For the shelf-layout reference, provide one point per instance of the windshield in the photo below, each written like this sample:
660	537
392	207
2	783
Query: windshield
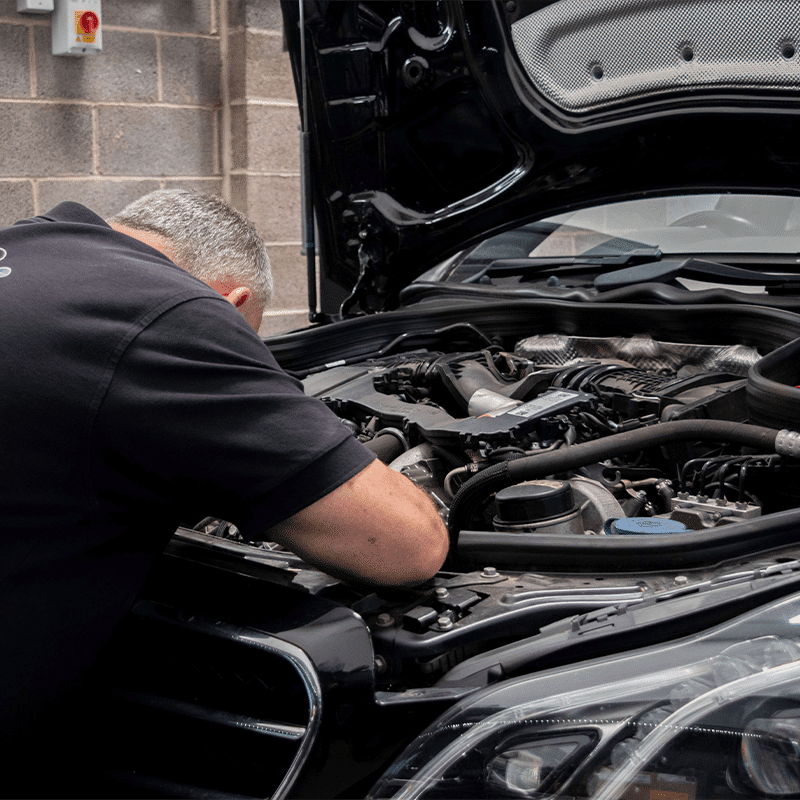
687	224
760	233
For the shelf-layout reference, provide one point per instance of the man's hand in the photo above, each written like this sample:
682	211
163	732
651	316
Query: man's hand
377	528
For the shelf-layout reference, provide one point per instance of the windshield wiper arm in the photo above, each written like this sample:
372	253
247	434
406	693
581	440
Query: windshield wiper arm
689	267
523	266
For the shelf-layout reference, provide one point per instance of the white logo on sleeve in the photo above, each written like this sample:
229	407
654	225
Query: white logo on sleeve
4	271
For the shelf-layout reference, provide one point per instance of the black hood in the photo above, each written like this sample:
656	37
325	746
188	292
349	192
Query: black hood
432	125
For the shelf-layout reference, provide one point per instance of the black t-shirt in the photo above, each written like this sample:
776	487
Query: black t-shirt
133	397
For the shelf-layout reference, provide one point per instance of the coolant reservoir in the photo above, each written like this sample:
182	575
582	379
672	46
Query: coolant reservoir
632	526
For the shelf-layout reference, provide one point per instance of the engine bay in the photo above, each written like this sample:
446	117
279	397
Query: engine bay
594	533
442	418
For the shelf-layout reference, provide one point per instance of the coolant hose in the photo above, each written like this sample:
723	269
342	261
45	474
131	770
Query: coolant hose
507	473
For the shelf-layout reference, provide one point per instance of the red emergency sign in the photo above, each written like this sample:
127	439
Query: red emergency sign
87	22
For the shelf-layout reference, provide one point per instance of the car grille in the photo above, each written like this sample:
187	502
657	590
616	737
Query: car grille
205	708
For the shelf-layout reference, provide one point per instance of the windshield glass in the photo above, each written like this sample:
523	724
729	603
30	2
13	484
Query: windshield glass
758	232
679	225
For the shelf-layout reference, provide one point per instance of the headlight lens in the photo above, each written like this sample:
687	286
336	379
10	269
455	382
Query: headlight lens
527	768
771	754
677	732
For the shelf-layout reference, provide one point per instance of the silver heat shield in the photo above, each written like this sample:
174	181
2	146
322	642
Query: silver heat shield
583	56
642	352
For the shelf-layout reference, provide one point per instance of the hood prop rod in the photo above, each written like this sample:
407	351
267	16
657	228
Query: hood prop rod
307	196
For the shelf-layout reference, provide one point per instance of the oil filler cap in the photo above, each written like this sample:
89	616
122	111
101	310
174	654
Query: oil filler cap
534	501
637	525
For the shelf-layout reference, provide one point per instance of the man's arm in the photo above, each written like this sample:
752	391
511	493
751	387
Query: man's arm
376	528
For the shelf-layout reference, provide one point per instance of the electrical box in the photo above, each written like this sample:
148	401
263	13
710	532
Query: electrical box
77	28
34	6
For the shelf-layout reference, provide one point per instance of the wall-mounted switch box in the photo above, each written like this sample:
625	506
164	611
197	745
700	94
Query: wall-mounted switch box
77	28
34	6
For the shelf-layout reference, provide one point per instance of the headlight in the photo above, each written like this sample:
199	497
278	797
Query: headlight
527	767
723	725
771	754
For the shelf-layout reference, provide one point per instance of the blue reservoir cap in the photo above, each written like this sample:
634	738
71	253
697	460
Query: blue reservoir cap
637	525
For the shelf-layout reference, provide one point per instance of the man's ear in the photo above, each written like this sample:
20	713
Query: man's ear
241	298
238	296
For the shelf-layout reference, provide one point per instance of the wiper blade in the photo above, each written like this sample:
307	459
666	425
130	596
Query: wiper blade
690	267
523	266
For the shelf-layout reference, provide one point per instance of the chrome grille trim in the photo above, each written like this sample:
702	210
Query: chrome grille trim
271	644
201	713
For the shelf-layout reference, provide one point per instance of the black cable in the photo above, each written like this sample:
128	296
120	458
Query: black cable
743	477
720	476
749	495
702	460
512	452
713	467
596	420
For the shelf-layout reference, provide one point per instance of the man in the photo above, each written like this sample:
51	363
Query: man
136	397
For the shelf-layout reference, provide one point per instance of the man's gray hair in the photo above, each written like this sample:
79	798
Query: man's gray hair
211	239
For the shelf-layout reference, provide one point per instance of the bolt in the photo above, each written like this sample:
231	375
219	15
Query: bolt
441	593
681	580
444	623
384	620
489	572
511	7
380	665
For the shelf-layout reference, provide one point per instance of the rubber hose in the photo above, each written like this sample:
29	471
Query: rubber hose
386	447
497	477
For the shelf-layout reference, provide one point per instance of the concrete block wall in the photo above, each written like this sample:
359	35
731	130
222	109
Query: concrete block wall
186	93
265	165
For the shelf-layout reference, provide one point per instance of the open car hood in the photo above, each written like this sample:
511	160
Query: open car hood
431	125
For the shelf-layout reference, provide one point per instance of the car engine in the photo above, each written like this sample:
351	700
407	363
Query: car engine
529	553
442	418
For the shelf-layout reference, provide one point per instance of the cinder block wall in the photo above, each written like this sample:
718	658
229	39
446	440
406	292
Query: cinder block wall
265	154
186	93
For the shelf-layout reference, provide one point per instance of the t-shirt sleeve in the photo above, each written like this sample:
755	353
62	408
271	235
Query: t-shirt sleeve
199	416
